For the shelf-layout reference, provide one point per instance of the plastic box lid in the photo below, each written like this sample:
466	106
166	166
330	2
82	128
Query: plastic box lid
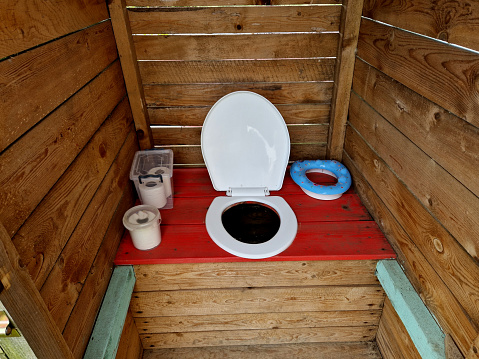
145	161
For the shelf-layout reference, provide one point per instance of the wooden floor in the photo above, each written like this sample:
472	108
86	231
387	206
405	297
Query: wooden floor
363	350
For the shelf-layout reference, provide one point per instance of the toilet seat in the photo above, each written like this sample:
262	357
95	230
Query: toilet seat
245	146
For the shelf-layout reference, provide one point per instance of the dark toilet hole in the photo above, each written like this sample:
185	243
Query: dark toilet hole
251	222
322	178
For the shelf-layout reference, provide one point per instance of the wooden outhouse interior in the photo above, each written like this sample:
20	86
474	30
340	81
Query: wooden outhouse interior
388	87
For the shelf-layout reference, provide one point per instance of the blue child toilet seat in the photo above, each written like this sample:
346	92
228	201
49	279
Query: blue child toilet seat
299	169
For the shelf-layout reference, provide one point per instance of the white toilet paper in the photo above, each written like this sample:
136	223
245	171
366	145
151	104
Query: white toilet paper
153	192
166	174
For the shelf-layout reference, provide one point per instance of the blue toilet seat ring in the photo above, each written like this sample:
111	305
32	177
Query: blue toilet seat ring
334	168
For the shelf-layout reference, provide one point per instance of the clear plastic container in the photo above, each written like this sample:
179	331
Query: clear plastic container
143	222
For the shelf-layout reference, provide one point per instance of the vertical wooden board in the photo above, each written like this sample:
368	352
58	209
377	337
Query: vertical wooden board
130	346
437	296
31	166
124	42
82	318
456	268
34	83
349	31
24	303
446	75
61	209
71	269
456	22
27	23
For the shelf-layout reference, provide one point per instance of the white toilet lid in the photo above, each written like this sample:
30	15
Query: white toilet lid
245	143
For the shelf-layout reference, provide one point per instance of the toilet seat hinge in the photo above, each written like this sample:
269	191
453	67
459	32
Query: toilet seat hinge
248	191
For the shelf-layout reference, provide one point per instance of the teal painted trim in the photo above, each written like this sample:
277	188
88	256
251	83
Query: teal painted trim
106	334
420	324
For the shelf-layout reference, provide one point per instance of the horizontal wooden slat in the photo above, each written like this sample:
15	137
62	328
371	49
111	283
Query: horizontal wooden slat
284	70
33	164
191	135
64	205
255	300
173	3
454	265
252	274
26	87
257	19
355	350
24	24
202	323
208	94
446	75
234	47
255	337
454	21
436	295
195	116
62	286
446	198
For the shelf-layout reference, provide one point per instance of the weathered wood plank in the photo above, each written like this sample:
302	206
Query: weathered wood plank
130	344
64	282
201	323
355	350
27	91
255	300
82	318
131	73
173	3
454	21
438	297
446	198
32	165
24	24
257	19
253	274
349	31
195	116
429	126
454	265
446	75
58	213
281	70
259	337
24	303
234	47
208	94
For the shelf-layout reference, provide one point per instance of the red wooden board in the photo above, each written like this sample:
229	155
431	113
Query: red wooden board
328	230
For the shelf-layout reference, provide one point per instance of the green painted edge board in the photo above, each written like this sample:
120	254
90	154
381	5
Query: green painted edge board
424	331
106	334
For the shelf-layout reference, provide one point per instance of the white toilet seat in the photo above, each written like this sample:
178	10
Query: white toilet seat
281	240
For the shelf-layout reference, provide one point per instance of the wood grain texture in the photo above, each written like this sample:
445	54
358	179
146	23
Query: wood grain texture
26	88
280	70
57	215
82	318
208	94
349	31
24	303
72	267
130	346
129	65
434	292
427	125
259	337
195	116
234	47
256	19
173	3
24	24
31	166
454	265
446	75
456	22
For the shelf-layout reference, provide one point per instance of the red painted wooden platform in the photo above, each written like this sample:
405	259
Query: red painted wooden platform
327	230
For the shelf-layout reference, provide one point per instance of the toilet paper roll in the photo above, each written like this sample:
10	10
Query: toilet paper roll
153	192
166	174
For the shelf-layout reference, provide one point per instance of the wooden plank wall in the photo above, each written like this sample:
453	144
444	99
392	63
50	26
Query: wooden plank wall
190	56
412	145
66	147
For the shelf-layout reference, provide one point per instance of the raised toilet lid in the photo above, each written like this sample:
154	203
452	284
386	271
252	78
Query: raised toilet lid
245	143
